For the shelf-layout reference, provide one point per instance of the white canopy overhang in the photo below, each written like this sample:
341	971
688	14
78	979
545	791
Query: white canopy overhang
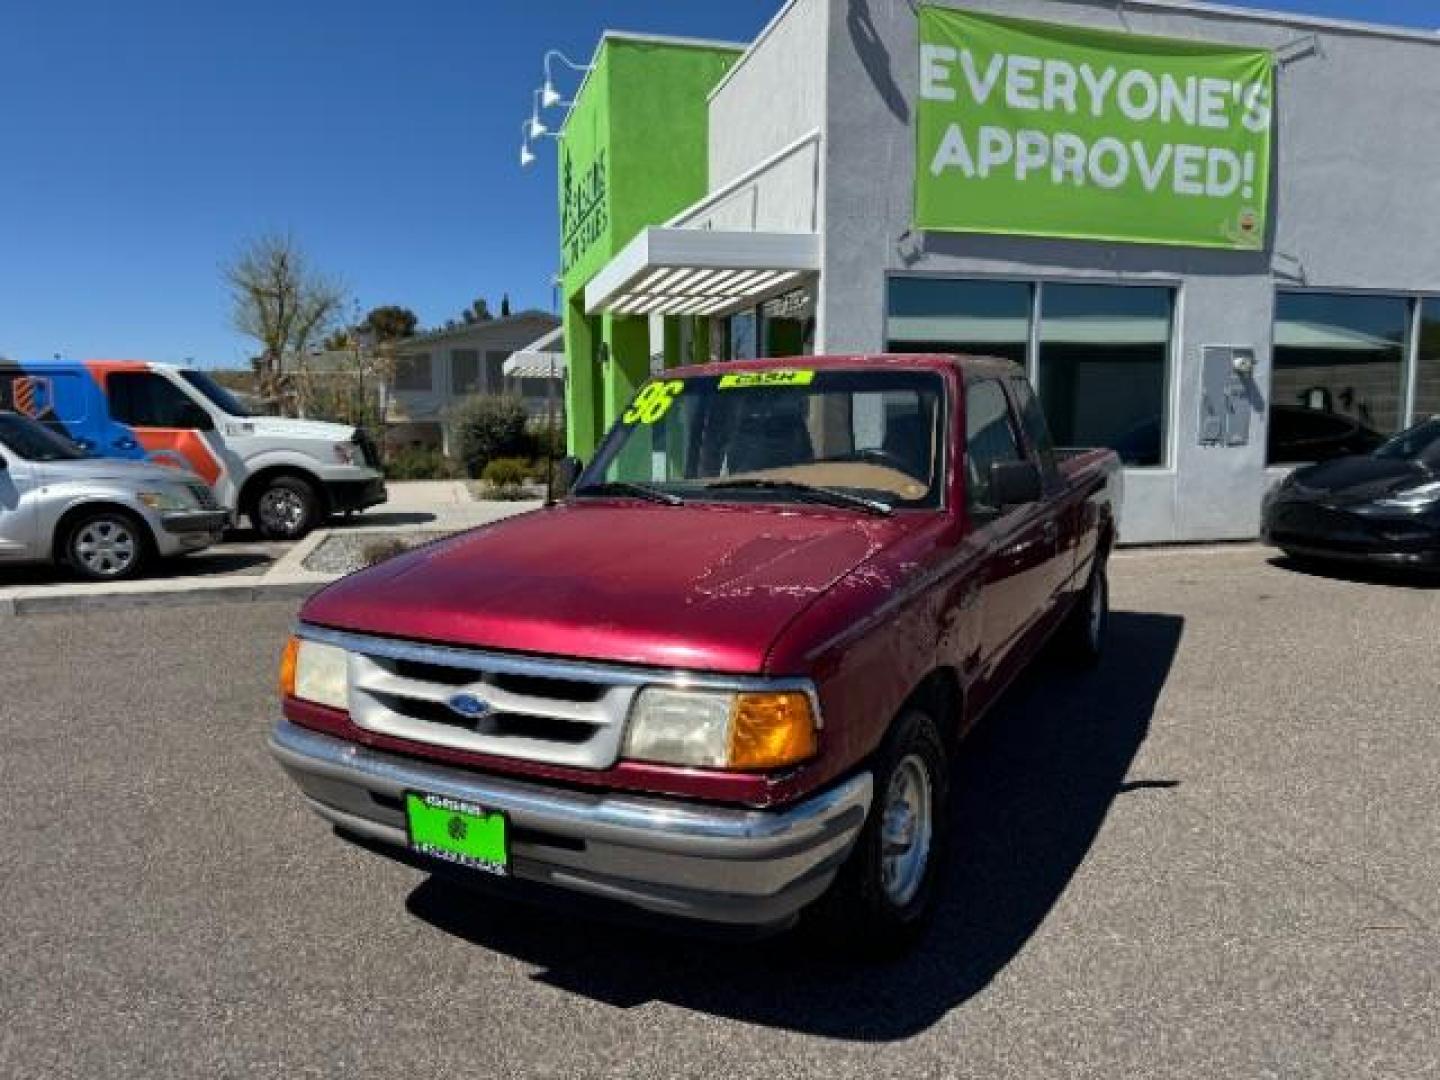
666	271
541	359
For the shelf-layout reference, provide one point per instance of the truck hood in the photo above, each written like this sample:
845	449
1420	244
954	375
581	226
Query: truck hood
697	587
283	427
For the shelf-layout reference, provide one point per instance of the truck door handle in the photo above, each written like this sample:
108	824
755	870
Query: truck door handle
125	443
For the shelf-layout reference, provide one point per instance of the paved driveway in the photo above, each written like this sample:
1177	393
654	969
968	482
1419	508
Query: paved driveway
1217	856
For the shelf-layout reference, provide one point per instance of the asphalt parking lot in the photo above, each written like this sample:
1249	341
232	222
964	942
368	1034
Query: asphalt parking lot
1218	855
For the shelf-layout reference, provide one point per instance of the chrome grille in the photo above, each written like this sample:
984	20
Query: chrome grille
541	711
204	496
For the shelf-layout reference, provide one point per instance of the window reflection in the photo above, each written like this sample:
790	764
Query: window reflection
1337	380
1104	353
946	315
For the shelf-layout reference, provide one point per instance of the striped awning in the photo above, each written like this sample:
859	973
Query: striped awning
543	358
666	271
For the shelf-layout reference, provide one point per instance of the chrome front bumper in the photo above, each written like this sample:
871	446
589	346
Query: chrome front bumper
694	861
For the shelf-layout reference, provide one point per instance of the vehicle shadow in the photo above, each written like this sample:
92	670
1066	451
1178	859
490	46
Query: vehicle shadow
1033	787
1359	573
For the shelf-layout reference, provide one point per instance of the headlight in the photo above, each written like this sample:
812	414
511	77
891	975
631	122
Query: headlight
1418	498
169	500
315	672
715	729
346	453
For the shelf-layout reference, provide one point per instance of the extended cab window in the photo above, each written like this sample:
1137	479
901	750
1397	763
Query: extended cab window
990	437
146	400
1035	426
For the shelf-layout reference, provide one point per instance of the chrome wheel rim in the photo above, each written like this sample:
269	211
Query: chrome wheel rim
106	547
906	828
282	509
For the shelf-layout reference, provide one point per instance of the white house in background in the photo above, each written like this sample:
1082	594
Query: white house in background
435	370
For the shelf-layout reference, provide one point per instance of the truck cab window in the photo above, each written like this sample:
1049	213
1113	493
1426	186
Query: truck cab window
146	400
990	437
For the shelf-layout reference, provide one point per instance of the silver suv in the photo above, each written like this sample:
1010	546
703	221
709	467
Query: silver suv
103	517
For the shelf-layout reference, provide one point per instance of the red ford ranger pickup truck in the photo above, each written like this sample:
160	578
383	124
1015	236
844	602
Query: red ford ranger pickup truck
721	679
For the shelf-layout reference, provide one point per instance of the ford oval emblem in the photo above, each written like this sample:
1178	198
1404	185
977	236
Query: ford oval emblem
469	706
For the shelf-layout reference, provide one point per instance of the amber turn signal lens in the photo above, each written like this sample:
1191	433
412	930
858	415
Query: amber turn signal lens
770	730
288	661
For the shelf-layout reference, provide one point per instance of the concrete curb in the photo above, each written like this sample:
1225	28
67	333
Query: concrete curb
162	594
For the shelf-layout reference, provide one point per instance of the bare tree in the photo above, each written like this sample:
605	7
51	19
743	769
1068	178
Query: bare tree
282	302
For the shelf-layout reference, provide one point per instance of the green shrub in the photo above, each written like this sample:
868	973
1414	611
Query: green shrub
486	428
506	472
420	463
377	551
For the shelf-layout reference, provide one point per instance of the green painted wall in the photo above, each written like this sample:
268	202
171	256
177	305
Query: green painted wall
632	154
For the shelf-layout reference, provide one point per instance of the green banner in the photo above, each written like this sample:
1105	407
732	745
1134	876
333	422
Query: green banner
1040	129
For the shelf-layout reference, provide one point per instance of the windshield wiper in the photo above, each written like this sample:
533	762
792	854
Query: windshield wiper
627	487
830	496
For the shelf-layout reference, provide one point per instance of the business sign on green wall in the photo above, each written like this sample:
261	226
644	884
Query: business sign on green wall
1040	129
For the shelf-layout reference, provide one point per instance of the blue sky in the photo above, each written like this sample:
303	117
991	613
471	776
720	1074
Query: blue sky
141	143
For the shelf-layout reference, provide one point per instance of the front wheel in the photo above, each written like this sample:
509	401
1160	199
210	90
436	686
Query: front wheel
884	894
107	545
287	508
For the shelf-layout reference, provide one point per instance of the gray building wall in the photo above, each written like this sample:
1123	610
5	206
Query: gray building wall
769	180
1357	175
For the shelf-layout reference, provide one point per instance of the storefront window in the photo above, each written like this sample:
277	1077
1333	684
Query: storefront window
788	324
946	315
744	336
1104	355
1427	379
1337	385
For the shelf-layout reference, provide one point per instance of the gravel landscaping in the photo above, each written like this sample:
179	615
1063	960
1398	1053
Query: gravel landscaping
343	553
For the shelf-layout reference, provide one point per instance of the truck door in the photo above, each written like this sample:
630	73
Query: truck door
1064	501
173	428
1020	540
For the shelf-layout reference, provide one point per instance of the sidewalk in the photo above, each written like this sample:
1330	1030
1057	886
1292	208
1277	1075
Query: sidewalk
245	569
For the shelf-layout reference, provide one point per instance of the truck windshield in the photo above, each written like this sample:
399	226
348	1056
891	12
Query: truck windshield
865	439
35	442
221	398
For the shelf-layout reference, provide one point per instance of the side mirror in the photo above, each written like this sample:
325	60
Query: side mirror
1015	483
567	471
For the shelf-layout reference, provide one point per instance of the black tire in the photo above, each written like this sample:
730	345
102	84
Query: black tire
1083	636
286	508
865	910
107	545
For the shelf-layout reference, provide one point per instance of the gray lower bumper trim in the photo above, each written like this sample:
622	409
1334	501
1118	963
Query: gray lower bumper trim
203	521
715	863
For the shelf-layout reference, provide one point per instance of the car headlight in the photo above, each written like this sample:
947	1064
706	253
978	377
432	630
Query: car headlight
168	500
721	729
1417	498
346	453
315	672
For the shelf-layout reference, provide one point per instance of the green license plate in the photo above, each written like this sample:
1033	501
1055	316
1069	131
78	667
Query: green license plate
458	832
